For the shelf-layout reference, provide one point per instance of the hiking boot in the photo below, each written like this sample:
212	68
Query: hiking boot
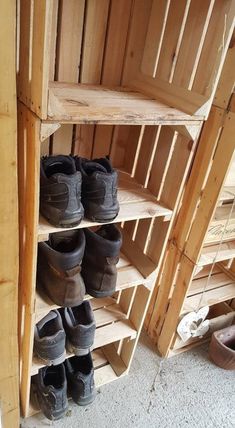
99	189
60	191
222	348
59	267
80	378
101	255
79	325
50	386
49	339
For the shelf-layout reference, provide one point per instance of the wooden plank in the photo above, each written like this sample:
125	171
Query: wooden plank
222	226
135	202
201	285
192	42
69	103
209	298
216	253
103	336
227	79
71	16
171	36
42	37
211	192
29	154
215	46
203	158
154	37
9	263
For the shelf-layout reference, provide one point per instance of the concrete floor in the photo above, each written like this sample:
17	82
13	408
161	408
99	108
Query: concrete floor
183	391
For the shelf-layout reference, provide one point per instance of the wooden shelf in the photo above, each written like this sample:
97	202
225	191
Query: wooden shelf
111	326
227	194
219	288
89	104
222	226
128	276
217	253
135	202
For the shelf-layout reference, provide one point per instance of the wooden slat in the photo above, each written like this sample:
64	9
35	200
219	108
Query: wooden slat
68	60
154	37
172	32
103	336
201	285
9	262
135	202
209	298
216	253
89	104
227	80
222	226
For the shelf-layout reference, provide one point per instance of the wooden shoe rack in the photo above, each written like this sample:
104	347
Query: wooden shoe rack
132	79
199	267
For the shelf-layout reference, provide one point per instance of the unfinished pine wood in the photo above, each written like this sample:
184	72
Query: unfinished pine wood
89	104
128	276
9	263
222	225
103	336
215	253
135	202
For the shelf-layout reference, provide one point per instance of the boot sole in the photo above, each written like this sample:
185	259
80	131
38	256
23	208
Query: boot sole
76	350
71	221
98	294
102	218
86	400
55	361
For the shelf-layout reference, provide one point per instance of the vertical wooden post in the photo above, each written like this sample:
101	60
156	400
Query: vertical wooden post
9	386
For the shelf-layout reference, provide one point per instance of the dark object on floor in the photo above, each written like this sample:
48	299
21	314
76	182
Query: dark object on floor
79	325
60	191
49	339
222	348
80	377
59	267
50	386
101	255
99	189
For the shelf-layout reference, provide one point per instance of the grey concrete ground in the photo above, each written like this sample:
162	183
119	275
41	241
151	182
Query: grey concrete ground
183	391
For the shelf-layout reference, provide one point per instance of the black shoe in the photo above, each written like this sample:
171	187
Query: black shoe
50	386
99	189
101	256
59	267
60	191
80	377
49	339
79	325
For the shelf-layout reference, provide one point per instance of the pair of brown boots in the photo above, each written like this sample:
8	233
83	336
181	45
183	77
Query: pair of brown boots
76	262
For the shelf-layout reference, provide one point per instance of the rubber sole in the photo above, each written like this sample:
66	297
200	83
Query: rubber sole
103	217
71	221
86	400
77	350
98	294
53	362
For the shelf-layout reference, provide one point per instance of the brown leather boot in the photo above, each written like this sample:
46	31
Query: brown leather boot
222	348
101	255
59	267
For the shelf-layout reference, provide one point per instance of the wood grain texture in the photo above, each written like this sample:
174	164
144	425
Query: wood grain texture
9	262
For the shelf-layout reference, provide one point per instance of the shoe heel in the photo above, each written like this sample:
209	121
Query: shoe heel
77	351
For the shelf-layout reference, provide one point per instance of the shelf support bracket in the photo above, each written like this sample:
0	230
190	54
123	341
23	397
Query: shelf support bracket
47	129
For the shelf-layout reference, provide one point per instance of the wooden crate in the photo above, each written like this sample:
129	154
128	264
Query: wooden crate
99	77
193	248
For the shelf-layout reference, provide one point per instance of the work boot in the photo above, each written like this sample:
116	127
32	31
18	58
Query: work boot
80	378
59	267
222	348
79	325
50	386
49	339
60	191
101	255
99	189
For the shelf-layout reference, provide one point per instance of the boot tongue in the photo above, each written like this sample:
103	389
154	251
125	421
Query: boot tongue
93	167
